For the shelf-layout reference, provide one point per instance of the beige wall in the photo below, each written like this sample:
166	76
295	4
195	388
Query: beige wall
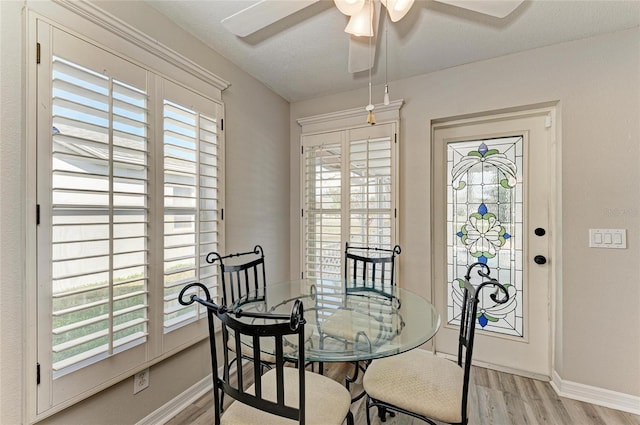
11	213
257	211
597	84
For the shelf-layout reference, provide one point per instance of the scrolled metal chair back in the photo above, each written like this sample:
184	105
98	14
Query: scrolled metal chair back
238	326
240	278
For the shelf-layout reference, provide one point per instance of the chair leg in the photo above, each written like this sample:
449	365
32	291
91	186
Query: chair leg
367	407
350	379
350	418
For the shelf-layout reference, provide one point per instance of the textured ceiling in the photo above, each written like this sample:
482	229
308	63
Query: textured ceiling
305	55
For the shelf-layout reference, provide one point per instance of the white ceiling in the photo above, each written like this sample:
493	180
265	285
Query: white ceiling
305	55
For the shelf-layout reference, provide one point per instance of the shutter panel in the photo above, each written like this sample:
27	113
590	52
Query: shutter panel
99	216
323	202
370	195
191	196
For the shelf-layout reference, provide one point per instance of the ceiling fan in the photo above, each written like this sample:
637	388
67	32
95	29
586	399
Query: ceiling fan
363	22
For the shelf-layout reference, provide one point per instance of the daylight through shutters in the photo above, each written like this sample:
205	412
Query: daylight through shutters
99	216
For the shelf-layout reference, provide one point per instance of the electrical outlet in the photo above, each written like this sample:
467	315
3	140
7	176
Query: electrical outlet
140	381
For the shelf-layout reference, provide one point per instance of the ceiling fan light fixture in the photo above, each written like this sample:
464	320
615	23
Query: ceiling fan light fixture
349	7
361	24
397	8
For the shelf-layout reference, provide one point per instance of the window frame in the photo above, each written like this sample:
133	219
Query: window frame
334	128
89	23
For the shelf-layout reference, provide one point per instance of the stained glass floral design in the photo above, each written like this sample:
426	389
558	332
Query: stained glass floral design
485	219
483	235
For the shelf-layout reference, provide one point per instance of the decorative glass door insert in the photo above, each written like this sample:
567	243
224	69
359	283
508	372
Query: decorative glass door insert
485	224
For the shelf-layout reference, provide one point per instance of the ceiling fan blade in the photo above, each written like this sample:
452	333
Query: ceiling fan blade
496	8
262	14
361	56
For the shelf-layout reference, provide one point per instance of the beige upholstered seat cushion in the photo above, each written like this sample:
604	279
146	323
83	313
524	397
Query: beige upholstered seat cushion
419	382
346	324
326	401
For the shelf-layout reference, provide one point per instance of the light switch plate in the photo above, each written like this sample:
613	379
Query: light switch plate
608	238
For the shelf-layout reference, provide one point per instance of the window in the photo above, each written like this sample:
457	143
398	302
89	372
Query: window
348	194
129	194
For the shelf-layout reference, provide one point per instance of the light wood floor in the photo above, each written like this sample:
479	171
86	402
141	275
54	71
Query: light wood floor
496	398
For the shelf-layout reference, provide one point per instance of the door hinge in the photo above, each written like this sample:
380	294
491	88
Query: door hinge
222	214
301	275
37	53
395	213
395	137
302	212
222	124
547	121
37	214
37	373
302	150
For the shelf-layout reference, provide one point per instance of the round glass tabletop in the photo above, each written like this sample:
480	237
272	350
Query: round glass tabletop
345	325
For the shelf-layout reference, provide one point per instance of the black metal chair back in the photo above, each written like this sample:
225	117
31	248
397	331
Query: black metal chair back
241	275
266	326
468	323
370	268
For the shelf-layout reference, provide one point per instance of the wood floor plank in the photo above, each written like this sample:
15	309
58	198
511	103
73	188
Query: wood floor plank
553	403
495	398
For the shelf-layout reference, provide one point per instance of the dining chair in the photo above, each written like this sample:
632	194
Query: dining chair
367	269
423	385
243	280
282	395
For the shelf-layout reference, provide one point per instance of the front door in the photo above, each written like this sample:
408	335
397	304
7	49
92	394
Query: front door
492	204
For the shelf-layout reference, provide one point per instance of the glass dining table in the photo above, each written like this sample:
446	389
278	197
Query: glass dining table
348	324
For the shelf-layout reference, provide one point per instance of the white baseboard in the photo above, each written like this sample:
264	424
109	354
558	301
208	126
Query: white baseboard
179	403
595	395
575	391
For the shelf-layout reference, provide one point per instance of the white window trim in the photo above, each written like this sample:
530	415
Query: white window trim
349	118
95	24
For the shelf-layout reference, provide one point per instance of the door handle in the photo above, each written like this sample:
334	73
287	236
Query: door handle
540	259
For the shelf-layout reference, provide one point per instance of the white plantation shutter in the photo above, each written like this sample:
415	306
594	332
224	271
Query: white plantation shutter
348	194
129	179
191	198
99	216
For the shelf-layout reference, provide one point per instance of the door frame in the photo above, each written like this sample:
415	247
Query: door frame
554	226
